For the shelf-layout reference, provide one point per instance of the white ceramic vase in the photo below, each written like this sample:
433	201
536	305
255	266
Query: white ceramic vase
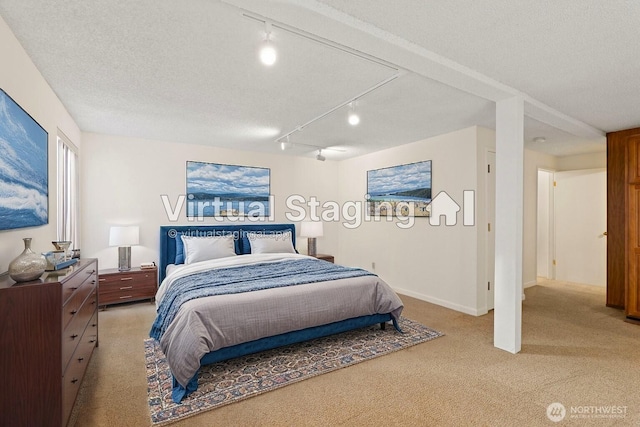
28	265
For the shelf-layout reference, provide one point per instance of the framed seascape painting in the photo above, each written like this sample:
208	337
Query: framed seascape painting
400	190
218	190
24	169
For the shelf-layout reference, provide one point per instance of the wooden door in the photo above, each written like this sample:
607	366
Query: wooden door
632	300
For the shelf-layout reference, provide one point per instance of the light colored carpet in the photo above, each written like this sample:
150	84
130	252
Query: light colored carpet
575	351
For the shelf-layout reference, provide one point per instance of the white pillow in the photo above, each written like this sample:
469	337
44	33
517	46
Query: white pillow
206	248
264	243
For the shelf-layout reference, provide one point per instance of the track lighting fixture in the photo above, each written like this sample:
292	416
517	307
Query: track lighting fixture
268	54
353	117
320	156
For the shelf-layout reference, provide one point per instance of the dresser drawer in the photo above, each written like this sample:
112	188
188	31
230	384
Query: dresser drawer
71	335
71	308
77	366
87	274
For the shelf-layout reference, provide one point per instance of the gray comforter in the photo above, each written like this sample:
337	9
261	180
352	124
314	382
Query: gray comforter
210	323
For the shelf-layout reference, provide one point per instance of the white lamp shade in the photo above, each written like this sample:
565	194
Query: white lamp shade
124	236
311	229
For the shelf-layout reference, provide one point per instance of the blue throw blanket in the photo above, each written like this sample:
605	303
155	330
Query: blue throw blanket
246	278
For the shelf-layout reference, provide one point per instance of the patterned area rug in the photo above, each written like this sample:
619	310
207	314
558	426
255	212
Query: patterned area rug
233	380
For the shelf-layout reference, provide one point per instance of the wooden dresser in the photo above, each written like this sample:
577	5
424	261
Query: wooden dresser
125	286
48	330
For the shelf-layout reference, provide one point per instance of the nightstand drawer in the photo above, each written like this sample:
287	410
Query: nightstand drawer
125	278
144	290
114	284
325	257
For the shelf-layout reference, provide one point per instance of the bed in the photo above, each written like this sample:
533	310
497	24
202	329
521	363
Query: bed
231	290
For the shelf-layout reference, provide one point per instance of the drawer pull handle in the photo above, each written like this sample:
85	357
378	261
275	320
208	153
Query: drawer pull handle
93	302
73	288
73	381
73	312
92	341
93	282
125	297
126	278
101	280
74	336
126	287
80	359
93	325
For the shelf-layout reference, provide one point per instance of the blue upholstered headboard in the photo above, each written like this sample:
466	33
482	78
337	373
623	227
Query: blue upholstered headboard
169	234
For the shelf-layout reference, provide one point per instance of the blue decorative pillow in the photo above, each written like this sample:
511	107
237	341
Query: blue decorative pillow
179	249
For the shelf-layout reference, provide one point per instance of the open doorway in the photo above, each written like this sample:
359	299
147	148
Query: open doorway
545	238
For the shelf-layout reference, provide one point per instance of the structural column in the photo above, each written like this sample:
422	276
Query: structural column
507	327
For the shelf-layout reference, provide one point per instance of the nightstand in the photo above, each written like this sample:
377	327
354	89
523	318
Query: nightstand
325	257
124	286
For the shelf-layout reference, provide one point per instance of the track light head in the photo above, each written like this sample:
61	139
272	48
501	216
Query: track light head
353	117
268	54
285	145
320	156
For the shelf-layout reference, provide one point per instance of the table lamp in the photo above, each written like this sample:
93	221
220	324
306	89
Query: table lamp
311	230
124	238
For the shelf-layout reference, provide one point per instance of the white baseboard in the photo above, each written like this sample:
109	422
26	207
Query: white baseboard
530	284
441	302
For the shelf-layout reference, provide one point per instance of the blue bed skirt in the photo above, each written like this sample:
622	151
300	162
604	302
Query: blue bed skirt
179	392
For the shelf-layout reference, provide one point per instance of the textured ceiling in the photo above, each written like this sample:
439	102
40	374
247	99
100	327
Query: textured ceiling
188	71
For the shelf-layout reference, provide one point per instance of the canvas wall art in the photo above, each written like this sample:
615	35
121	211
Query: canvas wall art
227	190
400	190
24	170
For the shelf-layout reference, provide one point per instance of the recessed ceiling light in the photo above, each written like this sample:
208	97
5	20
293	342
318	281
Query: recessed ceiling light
539	139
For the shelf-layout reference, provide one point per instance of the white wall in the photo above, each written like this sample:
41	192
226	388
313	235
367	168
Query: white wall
124	178
582	161
21	80
433	263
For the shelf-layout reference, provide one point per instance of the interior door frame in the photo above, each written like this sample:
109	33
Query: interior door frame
490	252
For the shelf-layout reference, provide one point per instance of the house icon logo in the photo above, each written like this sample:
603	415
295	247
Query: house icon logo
444	205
